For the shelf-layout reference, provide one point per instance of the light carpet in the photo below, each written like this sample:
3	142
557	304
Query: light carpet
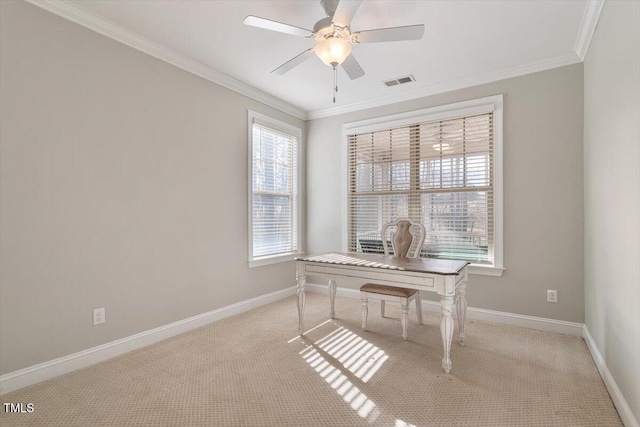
253	370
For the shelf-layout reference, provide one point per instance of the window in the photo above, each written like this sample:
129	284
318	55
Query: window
440	166
274	190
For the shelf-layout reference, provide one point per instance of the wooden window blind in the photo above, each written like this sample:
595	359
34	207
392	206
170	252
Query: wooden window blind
438	172
274	193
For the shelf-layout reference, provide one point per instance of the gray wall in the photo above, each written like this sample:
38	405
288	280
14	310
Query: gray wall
543	195
123	185
612	194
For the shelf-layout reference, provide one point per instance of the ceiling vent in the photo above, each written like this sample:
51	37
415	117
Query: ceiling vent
399	81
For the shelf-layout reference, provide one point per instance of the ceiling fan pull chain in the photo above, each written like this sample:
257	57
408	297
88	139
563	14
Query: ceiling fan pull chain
335	83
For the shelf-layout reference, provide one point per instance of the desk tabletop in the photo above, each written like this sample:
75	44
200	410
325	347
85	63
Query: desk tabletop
419	265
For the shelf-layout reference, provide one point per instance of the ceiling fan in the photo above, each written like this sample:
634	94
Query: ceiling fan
334	38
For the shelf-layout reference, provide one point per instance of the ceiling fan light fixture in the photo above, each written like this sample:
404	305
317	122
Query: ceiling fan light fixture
333	50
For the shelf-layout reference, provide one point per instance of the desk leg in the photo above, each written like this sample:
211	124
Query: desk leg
302	281
446	330
461	306
332	297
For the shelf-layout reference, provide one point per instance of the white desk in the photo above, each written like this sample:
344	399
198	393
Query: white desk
447	278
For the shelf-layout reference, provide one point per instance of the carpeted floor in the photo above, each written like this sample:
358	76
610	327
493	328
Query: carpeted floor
253	370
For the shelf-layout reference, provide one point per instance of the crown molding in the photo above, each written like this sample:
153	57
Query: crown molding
137	41
450	85
588	26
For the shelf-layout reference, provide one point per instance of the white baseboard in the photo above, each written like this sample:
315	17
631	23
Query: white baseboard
53	368
624	410
491	316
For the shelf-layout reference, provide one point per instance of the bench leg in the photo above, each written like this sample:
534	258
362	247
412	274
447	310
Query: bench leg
404	320
381	308
365	309
419	308
461	306
332	297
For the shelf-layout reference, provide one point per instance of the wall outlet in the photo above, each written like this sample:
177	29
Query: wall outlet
552	295
98	316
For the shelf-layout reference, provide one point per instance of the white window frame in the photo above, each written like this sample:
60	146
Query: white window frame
254	117
460	109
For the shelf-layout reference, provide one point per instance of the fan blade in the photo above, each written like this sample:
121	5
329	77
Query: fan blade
352	68
345	11
268	24
293	62
394	34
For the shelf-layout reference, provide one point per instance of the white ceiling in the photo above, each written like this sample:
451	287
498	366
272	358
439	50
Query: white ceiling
465	43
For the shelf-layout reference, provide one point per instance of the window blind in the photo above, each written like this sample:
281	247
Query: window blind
438	172
274	192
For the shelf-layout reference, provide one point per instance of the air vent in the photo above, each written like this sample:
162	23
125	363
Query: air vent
400	81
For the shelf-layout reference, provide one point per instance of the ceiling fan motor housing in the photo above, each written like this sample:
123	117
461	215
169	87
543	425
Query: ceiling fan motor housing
324	29
323	24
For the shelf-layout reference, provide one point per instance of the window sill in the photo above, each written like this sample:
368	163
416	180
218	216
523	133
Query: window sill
259	262
485	270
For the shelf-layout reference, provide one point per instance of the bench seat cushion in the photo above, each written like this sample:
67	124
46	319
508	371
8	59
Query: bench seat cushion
387	290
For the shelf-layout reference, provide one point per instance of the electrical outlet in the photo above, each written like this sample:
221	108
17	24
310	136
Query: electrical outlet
98	316
552	295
